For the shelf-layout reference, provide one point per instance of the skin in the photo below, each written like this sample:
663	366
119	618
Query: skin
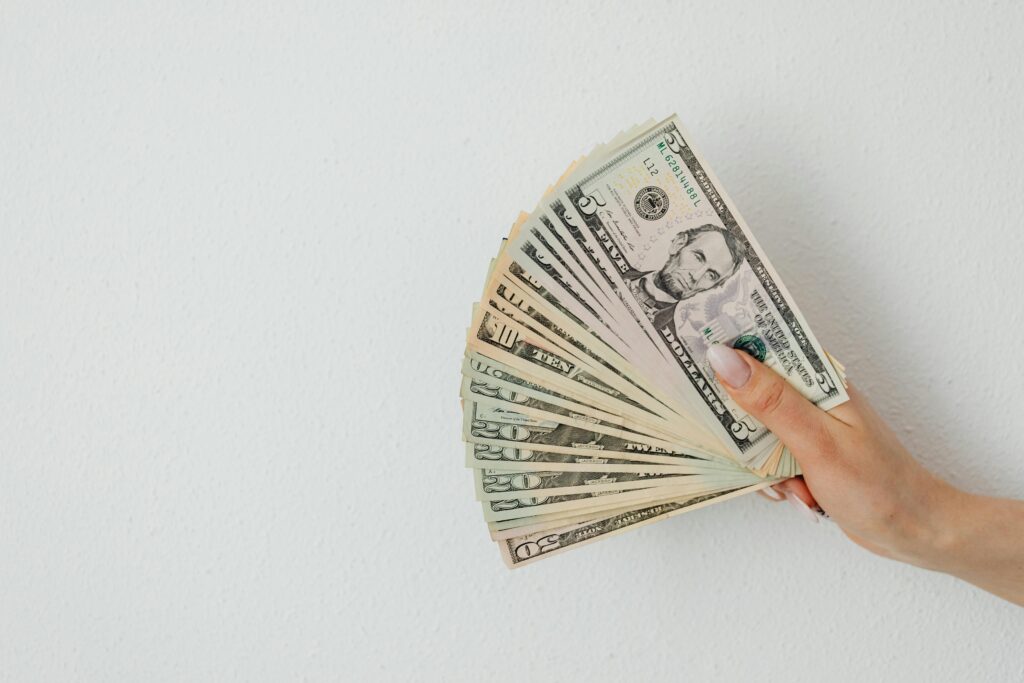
699	265
857	471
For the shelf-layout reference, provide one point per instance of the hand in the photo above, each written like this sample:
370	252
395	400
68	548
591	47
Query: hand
859	473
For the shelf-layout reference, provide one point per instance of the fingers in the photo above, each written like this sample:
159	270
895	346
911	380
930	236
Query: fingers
765	395
796	492
796	486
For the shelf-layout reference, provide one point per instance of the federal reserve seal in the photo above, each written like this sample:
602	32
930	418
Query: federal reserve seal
752	345
651	203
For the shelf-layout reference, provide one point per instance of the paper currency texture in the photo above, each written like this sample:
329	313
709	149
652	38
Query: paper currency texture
590	407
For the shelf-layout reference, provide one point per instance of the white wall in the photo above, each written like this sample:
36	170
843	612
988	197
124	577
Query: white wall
238	248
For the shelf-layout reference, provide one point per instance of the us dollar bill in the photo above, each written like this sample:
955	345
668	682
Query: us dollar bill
496	336
508	527
512	408
521	308
503	484
513	312
508	383
535	260
589	404
479	366
531	506
491	395
522	527
682	255
493	456
491	425
518	551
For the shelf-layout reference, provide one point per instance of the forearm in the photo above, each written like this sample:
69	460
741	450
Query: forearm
983	543
857	470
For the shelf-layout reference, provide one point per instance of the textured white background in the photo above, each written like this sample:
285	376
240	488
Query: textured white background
239	247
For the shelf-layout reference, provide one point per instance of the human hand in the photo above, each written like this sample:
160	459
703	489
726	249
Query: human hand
859	473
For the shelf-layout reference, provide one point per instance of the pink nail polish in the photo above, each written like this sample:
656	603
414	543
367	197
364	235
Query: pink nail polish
726	361
802	507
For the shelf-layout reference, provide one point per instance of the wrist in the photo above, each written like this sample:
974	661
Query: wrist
943	526
975	538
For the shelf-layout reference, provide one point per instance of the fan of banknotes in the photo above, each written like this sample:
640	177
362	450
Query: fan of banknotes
589	405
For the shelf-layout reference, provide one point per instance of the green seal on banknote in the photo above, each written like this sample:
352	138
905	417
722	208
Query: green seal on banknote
753	345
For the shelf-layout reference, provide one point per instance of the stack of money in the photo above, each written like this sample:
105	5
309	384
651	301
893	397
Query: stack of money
590	407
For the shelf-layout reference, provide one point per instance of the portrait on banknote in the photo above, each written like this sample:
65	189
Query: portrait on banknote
699	259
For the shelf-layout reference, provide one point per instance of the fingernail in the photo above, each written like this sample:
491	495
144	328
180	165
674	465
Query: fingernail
730	367
802	507
772	493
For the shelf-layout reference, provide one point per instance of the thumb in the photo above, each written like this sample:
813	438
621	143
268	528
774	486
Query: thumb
769	398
